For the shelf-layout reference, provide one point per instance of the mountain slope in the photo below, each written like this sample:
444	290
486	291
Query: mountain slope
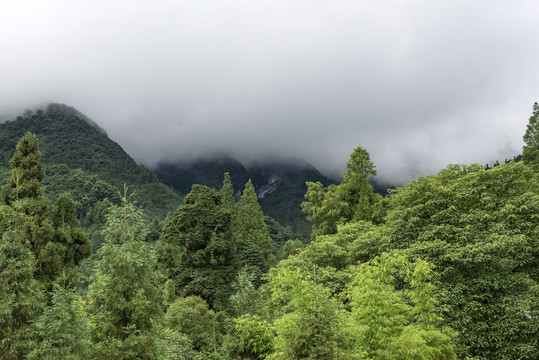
77	154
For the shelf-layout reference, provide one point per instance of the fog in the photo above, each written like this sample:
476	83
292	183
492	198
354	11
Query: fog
419	84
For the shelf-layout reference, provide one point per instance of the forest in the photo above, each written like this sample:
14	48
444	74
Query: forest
122	267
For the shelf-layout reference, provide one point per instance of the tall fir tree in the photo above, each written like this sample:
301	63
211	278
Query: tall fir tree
21	295
251	233
24	185
58	245
125	296
227	193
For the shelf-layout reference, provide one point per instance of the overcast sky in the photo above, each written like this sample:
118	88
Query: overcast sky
419	84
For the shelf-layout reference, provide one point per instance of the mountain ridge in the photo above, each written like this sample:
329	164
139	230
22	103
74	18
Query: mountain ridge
78	153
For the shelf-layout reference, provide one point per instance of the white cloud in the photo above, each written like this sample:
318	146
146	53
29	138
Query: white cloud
420	84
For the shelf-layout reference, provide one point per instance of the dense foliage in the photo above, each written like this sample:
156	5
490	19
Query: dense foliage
442	268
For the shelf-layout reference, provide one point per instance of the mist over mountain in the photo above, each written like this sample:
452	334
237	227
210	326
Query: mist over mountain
417	85
80	158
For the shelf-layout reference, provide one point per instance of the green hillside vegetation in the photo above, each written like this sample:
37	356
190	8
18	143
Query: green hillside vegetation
443	268
77	154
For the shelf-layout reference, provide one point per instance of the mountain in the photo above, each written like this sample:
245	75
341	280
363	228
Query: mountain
81	159
280	185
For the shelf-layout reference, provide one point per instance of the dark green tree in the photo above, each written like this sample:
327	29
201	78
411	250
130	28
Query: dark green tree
26	175
530	151
227	193
24	185
251	233
68	234
201	227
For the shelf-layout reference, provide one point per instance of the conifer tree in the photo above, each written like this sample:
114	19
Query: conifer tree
251	231
20	294
328	207
124	295
202	228
227	193
68	233
24	185
26	175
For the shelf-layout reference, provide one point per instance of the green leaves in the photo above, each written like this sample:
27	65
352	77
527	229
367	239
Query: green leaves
63	329
395	310
479	228
311	323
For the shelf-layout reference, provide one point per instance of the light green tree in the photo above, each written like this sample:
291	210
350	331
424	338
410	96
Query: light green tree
311	323
396	314
125	296
192	317
63	329
21	297
254	337
328	207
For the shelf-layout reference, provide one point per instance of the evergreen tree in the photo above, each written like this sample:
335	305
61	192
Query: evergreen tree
169	249
68	233
24	184
227	193
26	175
20	294
251	232
530	151
125	296
202	228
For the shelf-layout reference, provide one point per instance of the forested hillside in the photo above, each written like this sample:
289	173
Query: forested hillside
280	185
444	267
79	158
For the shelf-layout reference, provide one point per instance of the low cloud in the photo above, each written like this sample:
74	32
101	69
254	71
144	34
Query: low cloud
419	84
